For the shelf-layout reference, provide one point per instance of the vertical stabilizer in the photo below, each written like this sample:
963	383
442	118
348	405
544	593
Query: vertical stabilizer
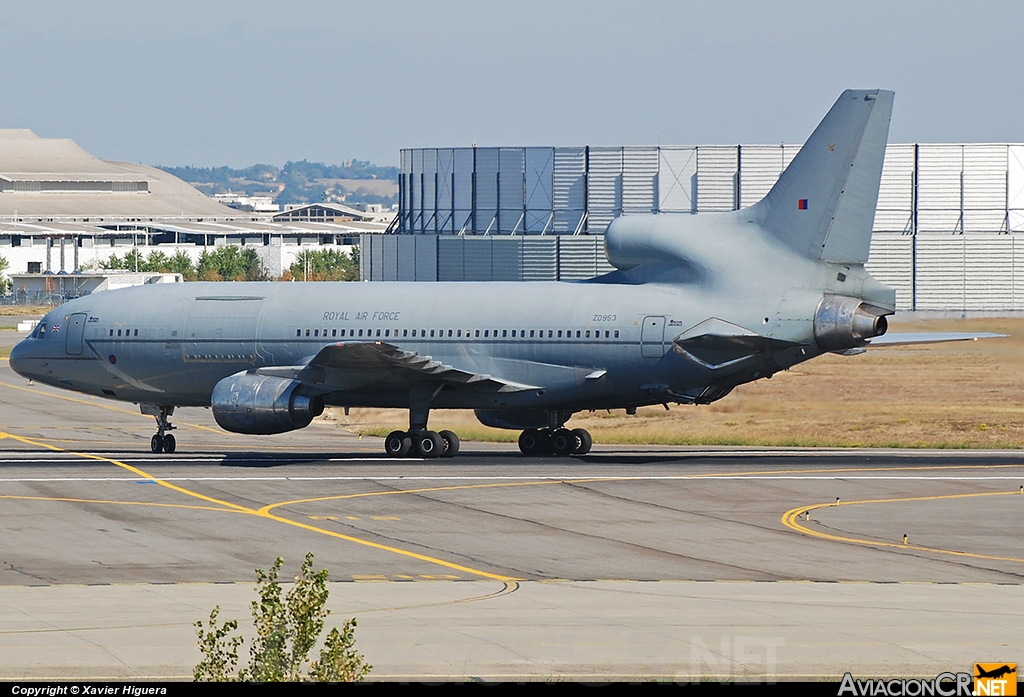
824	203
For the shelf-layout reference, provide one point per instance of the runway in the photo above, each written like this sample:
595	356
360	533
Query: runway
540	556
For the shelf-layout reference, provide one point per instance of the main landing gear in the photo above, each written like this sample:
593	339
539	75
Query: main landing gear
418	441
426	444
162	441
555	441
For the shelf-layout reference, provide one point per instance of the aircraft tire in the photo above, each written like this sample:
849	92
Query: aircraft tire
530	441
451	443
156	443
563	442
430	444
169	444
584	441
397	444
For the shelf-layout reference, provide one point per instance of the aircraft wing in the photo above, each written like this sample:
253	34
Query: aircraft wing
362	364
910	338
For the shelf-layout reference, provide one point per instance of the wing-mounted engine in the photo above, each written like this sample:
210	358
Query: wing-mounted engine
263	404
842	322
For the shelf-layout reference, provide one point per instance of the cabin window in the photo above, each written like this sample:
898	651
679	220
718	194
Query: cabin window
431	333
588	334
504	333
606	333
513	333
449	333
458	333
559	333
119	332
316	332
360	332
531	333
44	328
135	333
476	334
378	332
577	333
387	332
405	332
334	332
298	332
307	332
343	332
616	333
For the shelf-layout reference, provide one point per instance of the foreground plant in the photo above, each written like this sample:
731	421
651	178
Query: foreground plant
286	632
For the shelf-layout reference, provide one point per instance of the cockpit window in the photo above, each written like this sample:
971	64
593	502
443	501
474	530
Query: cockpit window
40	332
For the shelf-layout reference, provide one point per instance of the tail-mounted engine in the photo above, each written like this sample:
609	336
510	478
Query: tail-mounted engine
842	322
263	404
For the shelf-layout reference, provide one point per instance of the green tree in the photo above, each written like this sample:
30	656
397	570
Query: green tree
181	263
287	630
4	282
326	265
231	263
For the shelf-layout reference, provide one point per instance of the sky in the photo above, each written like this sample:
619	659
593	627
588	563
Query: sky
238	83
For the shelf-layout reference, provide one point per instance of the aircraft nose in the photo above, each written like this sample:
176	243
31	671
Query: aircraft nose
19	358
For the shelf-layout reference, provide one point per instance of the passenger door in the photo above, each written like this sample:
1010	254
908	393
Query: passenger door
652	337
75	331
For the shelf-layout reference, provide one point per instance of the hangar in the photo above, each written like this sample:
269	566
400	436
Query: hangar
947	232
62	208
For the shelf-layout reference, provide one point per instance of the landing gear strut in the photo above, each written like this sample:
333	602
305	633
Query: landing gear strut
555	441
162	441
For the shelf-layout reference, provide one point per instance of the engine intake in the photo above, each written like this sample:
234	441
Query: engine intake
263	404
842	322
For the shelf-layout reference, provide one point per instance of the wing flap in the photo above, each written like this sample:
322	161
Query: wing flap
379	361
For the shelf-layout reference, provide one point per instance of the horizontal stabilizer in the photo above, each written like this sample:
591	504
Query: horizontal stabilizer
910	338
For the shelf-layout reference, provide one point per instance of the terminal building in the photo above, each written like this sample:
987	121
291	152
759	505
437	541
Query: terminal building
948	225
62	210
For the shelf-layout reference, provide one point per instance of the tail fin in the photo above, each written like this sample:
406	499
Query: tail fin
823	205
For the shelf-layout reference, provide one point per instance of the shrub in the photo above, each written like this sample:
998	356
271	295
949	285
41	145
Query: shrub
286	632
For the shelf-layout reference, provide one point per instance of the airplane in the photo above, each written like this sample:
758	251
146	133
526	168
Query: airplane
698	304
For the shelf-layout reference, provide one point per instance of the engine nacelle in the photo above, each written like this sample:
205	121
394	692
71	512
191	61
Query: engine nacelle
842	322
263	404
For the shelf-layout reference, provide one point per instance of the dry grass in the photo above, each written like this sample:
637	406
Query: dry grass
24	310
958	395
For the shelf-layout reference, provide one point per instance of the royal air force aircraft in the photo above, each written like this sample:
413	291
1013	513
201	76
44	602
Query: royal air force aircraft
699	304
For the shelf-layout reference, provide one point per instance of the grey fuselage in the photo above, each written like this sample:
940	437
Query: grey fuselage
600	344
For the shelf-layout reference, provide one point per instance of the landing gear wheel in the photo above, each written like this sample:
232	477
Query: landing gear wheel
156	443
397	444
451	444
169	444
563	442
530	441
429	444
583	441
545	442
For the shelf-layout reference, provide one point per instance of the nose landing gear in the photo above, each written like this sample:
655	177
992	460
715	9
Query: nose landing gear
162	441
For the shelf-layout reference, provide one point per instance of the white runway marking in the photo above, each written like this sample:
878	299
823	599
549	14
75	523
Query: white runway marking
568	478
